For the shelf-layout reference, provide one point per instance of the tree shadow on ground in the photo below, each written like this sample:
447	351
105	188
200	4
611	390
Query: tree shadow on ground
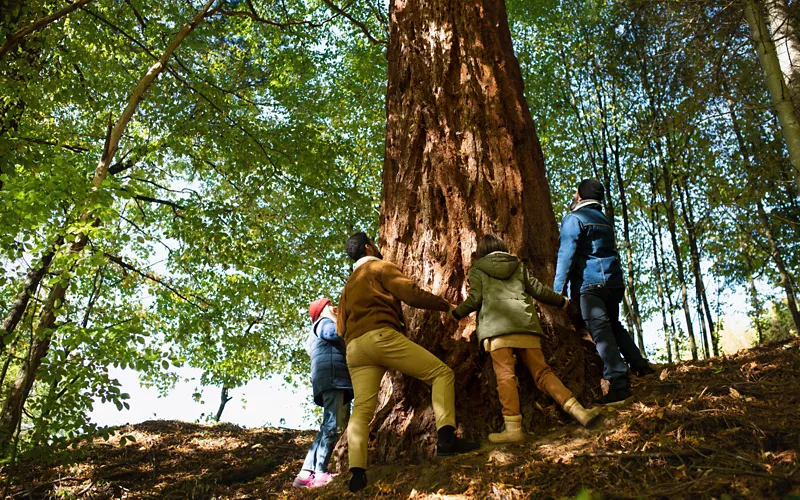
724	426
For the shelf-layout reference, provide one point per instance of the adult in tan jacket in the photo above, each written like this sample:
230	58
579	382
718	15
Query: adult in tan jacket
370	319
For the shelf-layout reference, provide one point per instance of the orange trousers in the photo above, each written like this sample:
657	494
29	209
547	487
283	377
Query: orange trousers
543	376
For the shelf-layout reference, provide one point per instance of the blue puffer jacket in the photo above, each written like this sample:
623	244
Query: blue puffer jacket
328	361
587	257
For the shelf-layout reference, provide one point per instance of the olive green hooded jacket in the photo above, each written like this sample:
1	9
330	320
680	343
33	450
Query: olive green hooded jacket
502	291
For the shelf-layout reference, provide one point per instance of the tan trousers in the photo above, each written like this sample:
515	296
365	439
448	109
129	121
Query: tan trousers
368	358
543	376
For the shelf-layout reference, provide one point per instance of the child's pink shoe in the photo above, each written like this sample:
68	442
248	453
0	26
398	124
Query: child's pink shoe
323	479
304	483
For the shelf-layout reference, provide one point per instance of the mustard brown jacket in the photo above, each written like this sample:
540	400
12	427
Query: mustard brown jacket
372	298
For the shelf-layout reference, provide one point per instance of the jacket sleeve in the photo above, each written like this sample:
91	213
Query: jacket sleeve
570	232
540	292
474	299
341	317
326	330
402	287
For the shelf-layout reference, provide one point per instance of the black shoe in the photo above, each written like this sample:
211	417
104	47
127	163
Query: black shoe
358	481
615	397
644	371
450	445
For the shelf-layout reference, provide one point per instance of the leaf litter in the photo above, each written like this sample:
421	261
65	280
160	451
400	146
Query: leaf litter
720	428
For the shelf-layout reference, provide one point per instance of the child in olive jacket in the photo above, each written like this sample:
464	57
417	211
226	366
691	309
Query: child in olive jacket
501	290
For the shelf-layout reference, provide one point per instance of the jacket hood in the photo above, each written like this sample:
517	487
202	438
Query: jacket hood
498	265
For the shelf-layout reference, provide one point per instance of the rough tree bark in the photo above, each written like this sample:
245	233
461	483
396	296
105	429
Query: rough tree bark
462	159
14	403
781	102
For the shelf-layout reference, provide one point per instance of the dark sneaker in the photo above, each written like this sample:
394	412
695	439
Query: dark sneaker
358	481
456	446
615	397
644	371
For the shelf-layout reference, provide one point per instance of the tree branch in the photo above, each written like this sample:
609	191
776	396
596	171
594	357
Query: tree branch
175	206
14	39
152	277
43	142
359	24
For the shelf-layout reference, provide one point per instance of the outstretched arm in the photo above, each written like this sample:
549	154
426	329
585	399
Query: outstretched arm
474	299
540	292
402	287
570	231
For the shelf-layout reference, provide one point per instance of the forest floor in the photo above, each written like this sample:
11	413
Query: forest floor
727	427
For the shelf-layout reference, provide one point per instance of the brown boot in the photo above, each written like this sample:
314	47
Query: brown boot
512	433
579	413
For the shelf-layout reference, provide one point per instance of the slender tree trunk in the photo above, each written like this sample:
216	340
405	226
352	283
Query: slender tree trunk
673	233
17	310
787	46
668	293
756	307
636	318
12	408
777	257
712	329
695	261
223	400
463	159
659	280
781	102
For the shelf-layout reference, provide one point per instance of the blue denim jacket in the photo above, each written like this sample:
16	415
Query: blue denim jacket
587	257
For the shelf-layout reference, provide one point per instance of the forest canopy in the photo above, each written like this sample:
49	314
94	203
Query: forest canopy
177	179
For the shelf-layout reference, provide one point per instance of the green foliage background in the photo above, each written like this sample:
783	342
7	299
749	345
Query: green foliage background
260	149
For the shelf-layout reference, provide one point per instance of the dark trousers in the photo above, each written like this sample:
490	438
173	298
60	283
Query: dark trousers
333	417
600	311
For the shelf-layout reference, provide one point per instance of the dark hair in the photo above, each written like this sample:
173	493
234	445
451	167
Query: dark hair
490	243
355	245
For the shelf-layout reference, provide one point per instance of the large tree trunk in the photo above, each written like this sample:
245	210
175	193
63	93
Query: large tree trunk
462	159
778	91
14	403
787	46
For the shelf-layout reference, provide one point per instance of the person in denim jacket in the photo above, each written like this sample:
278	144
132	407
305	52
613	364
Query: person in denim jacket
589	263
